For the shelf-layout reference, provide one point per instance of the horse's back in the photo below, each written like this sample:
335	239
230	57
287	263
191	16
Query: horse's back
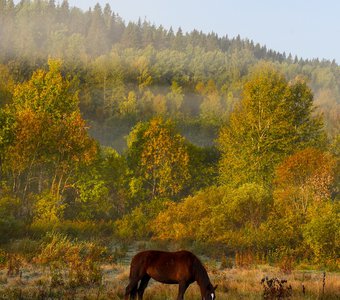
167	267
152	255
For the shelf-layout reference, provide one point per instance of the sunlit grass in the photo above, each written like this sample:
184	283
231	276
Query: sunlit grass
34	282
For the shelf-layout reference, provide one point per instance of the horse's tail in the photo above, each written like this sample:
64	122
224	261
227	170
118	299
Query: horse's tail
131	289
137	265
133	267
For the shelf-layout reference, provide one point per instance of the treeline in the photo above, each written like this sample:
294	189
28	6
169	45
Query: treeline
143	132
44	28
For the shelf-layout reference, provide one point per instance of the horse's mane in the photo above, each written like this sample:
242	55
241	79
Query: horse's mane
201	274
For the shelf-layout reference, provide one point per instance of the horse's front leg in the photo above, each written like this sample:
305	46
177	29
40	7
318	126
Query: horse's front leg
183	285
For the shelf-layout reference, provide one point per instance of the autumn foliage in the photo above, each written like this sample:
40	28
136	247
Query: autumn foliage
267	190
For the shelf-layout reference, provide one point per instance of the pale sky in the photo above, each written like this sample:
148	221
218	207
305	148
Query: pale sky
306	28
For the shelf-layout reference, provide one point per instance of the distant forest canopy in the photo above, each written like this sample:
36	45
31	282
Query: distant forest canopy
130	72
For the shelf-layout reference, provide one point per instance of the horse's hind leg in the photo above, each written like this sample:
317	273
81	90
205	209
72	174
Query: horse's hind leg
142	286
131	290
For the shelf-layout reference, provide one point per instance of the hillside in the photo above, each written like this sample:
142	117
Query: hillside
113	132
193	77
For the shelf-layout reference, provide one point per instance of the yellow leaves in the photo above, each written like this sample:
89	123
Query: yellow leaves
164	157
194	218
48	132
159	156
47	209
141	64
47	92
273	120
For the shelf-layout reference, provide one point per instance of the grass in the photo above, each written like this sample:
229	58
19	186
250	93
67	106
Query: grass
61	268
34	282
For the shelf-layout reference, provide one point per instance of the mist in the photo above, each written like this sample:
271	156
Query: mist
130	72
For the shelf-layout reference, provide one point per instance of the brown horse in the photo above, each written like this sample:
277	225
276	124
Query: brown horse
180	267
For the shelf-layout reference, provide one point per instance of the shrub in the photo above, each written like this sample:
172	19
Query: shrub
216	214
137	224
79	259
322	233
14	264
74	229
194	218
10	227
276	288
47	207
3	258
25	247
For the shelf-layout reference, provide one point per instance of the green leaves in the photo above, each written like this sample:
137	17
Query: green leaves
322	233
273	119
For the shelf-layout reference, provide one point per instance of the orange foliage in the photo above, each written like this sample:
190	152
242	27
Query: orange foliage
305	178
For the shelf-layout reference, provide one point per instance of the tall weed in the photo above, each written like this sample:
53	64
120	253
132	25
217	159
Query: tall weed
79	260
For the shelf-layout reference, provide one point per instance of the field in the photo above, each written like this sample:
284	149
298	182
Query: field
79	280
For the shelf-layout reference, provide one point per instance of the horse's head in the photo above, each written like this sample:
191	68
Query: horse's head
210	293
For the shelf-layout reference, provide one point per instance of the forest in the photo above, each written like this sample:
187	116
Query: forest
132	132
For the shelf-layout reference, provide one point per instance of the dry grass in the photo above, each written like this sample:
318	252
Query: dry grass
34	282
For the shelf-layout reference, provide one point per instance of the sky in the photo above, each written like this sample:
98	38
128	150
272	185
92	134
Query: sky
306	28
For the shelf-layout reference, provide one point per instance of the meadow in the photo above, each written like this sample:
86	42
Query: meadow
65	269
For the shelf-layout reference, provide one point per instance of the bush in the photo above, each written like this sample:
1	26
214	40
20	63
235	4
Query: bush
47	208
10	226
3	258
276	288
26	247
216	214
137	224
79	259
74	229
322	233
194	218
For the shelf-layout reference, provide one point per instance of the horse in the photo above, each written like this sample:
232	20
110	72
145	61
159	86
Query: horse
181	267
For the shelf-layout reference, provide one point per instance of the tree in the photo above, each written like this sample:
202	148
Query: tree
159	106
6	85
273	120
49	137
128	107
302	219
303	180
158	158
141	65
175	98
202	167
178	42
212	111
101	187
131	37
97	36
